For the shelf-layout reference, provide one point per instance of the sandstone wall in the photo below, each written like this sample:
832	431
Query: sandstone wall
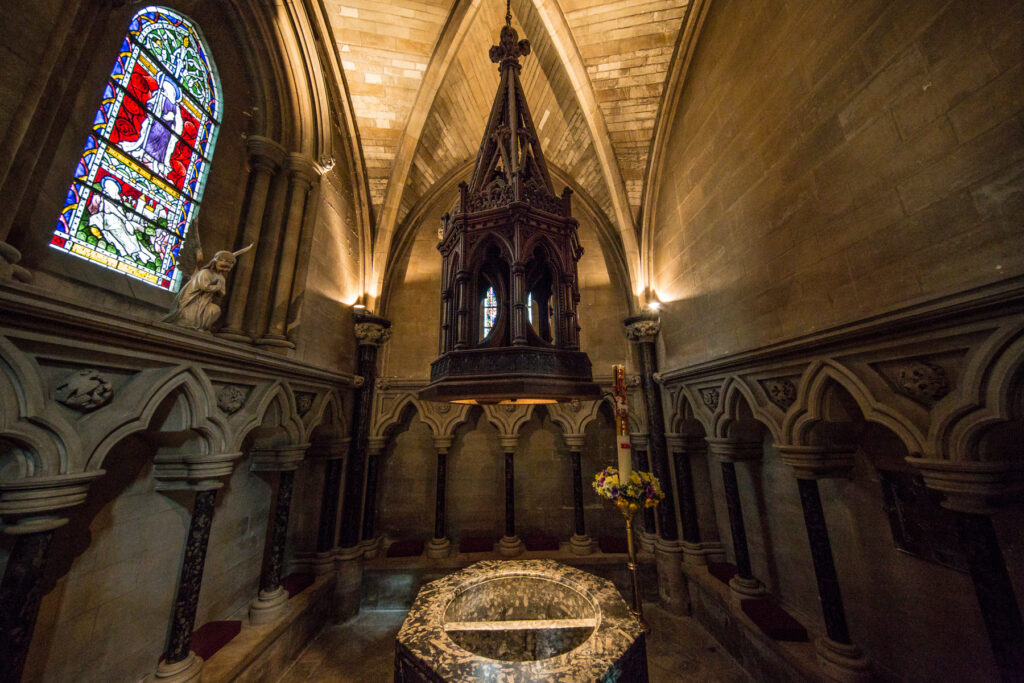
829	161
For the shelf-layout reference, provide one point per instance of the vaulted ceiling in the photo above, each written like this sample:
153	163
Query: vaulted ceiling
421	87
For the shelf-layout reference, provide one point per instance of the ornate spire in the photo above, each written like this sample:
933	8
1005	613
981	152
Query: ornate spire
510	164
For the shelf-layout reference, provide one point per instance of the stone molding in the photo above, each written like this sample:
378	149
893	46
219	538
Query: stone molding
329	450
731	450
508	419
375	445
814	462
957	357
685	444
194	472
302	169
279	458
264	152
26	504
974	487
573	417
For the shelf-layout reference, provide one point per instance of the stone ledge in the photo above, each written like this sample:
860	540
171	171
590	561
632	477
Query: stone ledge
263	652
763	658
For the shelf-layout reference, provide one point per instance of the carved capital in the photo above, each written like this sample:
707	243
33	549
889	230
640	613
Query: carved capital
301	169
730	450
372	331
279	458
685	444
641	331
197	472
375	445
27	504
975	487
264	154
815	462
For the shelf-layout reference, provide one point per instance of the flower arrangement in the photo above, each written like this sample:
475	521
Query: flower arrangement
641	491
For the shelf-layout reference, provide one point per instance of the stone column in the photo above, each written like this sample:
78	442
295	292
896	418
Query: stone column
510	543
728	452
370	332
647	536
683	447
257	313
440	545
29	510
838	656
272	597
265	157
370	543
203	474
301	174
517	311
334	455
973	491
580	543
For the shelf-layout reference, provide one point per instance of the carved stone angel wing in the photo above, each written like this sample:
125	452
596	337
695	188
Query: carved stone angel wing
190	255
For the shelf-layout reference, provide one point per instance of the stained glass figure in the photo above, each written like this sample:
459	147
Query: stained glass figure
490	310
139	182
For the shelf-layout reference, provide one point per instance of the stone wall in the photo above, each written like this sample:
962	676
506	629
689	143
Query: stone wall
828	162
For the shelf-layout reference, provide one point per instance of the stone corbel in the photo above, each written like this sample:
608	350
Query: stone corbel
28	505
973	487
196	472
279	458
815	462
728	450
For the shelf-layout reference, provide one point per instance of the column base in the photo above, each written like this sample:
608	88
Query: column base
322	563
187	669
268	605
842	661
348	585
696	554
645	542
275	341
370	547
510	546
438	548
672	588
9	268
235	335
746	588
581	545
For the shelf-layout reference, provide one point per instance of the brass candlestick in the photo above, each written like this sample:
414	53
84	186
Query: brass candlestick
638	604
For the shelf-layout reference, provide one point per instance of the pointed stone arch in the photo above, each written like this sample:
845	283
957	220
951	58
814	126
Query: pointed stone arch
810	406
733	390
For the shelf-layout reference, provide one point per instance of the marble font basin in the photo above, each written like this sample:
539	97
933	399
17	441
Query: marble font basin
520	621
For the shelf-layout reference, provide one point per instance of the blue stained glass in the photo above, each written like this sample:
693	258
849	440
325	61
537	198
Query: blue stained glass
139	180
490	305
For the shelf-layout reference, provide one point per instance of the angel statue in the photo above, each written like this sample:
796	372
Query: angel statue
198	302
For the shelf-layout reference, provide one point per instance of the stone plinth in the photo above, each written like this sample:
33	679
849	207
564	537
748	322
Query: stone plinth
520	621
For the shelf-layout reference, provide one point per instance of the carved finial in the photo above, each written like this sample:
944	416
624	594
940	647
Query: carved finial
509	48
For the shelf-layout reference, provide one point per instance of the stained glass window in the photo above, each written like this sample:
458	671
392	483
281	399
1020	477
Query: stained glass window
138	184
529	307
490	305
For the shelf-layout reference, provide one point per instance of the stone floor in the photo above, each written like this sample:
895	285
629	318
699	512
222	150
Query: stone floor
363	650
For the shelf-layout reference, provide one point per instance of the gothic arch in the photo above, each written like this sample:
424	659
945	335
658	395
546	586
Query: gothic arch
810	406
385	420
986	396
329	408
250	418
149	389
734	390
48	442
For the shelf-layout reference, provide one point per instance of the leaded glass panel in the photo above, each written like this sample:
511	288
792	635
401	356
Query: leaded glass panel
490	305
139	182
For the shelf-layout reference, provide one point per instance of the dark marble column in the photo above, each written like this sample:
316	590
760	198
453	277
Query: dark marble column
370	332
510	543
996	598
373	454
510	495
187	597
643	330
579	523
824	566
682	452
327	530
975	490
272	596
728	452
20	594
440	545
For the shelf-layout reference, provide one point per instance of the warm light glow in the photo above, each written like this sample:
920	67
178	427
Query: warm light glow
358	306
654	305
